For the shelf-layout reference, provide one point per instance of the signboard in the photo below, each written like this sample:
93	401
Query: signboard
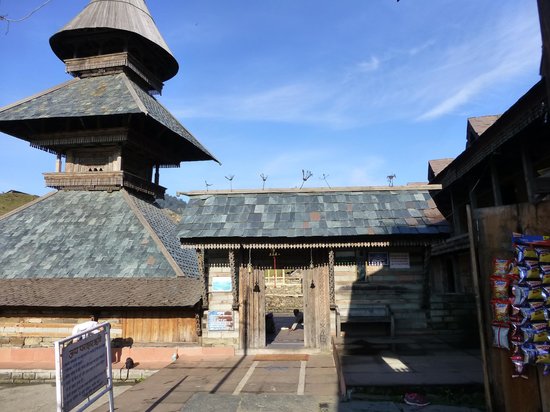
83	367
400	261
83	364
221	284
378	259
220	320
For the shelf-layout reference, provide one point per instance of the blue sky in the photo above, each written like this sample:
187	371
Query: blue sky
354	90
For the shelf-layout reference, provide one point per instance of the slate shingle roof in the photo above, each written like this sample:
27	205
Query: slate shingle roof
97	96
116	246
129	292
90	235
298	214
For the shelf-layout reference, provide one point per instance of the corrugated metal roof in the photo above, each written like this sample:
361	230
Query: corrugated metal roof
296	214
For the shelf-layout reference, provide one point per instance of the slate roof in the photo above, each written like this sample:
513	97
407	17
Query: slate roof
77	234
107	95
319	213
133	292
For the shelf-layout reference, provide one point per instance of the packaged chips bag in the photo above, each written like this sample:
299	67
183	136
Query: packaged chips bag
500	337
501	312
500	287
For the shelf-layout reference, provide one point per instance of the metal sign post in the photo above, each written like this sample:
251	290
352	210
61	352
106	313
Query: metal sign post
83	371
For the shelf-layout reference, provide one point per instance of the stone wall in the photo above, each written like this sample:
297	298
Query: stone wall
454	315
284	298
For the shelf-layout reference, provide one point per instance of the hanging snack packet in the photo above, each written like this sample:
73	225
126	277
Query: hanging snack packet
545	274
501	309
500	337
501	266
520	293
529	273
500	287
529	353
517	336
543	255
538	315
537	294
519	365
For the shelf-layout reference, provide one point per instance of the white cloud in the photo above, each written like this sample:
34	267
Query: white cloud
369	66
419	82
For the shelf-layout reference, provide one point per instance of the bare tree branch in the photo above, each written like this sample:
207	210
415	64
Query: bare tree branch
8	20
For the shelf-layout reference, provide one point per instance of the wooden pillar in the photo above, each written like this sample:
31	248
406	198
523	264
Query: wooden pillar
203	276
157	175
58	163
455	213
234	279
331	278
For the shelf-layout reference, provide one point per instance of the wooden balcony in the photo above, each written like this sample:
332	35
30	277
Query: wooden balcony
106	181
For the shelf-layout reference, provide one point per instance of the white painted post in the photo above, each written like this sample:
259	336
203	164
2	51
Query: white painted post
58	394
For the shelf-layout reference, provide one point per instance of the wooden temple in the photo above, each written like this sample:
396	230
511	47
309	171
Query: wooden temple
100	244
349	258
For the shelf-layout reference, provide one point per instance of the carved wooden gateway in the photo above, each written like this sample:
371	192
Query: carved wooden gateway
252	308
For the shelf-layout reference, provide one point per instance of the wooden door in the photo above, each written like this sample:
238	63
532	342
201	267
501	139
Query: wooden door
316	308
252	308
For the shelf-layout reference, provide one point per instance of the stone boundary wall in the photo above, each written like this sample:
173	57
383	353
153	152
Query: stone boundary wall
284	298
23	376
454	314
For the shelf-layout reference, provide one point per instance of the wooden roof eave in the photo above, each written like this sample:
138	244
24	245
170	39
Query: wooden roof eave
327	244
526	110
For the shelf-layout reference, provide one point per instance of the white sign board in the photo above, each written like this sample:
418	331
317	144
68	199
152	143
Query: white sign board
83	364
83	367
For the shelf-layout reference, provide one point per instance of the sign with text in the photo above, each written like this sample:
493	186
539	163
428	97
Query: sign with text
220	320
84	366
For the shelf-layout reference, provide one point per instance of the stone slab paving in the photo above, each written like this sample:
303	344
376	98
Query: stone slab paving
243	381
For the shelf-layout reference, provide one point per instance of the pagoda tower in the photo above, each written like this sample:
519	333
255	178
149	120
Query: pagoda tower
105	123
100	243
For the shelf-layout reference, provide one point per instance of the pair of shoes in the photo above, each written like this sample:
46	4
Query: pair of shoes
415	399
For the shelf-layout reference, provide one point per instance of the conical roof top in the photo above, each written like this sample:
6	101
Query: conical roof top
108	26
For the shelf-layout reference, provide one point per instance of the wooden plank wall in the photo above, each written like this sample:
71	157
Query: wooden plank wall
159	326
402	289
495	227
39	328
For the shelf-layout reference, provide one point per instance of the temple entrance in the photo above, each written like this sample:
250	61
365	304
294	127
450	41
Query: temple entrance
268	298
284	296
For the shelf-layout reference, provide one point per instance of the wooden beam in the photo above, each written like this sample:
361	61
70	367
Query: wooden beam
497	195
528	174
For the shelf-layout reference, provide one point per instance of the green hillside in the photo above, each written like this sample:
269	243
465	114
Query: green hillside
12	200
